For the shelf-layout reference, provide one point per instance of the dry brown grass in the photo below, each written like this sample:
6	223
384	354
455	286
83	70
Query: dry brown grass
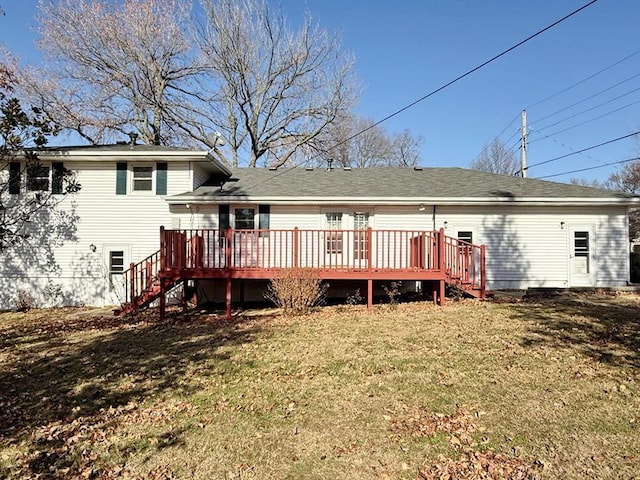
545	388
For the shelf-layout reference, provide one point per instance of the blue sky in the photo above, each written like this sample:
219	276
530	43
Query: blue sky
407	48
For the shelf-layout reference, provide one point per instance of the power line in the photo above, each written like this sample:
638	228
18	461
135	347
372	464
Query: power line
590	109
590	168
484	149
446	85
589	121
584	150
466	74
583	80
585	99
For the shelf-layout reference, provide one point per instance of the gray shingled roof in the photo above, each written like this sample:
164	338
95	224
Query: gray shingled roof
389	182
116	147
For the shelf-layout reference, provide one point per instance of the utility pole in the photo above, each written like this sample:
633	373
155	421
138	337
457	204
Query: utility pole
523	146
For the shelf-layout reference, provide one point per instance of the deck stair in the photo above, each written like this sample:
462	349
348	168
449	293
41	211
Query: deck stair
142	284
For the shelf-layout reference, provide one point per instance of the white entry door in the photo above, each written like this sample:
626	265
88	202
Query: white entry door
581	257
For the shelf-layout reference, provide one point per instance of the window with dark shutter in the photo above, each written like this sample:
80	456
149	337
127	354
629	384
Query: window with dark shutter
161	178
223	217
57	175
121	178
14	178
263	219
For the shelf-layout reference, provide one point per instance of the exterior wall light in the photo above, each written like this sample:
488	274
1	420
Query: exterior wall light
93	247
562	224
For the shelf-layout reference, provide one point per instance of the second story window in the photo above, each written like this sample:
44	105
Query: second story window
37	178
142	179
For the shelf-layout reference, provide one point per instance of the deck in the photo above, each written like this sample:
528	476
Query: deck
229	254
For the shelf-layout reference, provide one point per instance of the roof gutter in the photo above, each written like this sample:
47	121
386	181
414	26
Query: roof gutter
215	200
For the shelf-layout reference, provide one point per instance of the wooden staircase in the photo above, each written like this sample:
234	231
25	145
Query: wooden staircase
142	284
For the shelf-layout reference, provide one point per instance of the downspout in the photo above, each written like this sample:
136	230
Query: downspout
434	216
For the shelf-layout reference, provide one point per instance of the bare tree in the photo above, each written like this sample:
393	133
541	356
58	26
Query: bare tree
496	158
24	202
275	89
405	149
586	183
627	180
113	68
358	142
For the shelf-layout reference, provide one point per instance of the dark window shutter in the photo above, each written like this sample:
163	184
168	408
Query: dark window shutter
57	174
121	178
161	178
14	177
223	216
263	219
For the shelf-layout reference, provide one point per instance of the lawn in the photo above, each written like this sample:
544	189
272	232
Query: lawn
541	388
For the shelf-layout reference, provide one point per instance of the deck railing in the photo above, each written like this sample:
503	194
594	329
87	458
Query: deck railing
325	250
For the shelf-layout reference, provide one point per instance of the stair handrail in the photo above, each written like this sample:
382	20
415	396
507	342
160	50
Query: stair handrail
465	262
140	276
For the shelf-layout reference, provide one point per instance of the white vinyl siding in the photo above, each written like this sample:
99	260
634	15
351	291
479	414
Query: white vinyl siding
200	175
529	246
95	215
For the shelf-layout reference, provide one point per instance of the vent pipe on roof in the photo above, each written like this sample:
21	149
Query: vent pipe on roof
133	136
329	162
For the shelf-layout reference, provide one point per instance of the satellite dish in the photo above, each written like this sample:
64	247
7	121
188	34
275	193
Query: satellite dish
216	139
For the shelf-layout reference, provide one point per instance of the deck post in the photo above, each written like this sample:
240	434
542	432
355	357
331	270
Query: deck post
368	248
163	249
296	247
227	247
228	298
483	270
441	293
369	294
163	300
442	263
132	282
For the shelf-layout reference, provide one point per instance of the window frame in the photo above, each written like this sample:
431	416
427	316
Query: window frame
334	237
112	274
40	182
152	179
254	219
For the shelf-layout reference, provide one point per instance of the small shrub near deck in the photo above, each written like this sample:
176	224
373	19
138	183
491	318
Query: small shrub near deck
297	291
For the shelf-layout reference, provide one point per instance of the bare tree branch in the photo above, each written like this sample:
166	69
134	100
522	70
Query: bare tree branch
496	158
115	68
278	89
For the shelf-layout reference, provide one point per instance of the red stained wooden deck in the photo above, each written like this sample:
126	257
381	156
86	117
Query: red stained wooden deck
334	254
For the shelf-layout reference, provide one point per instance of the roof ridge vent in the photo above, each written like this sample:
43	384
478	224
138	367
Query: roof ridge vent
417	168
309	169
346	169
273	169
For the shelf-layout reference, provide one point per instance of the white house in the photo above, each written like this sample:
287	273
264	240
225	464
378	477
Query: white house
535	233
